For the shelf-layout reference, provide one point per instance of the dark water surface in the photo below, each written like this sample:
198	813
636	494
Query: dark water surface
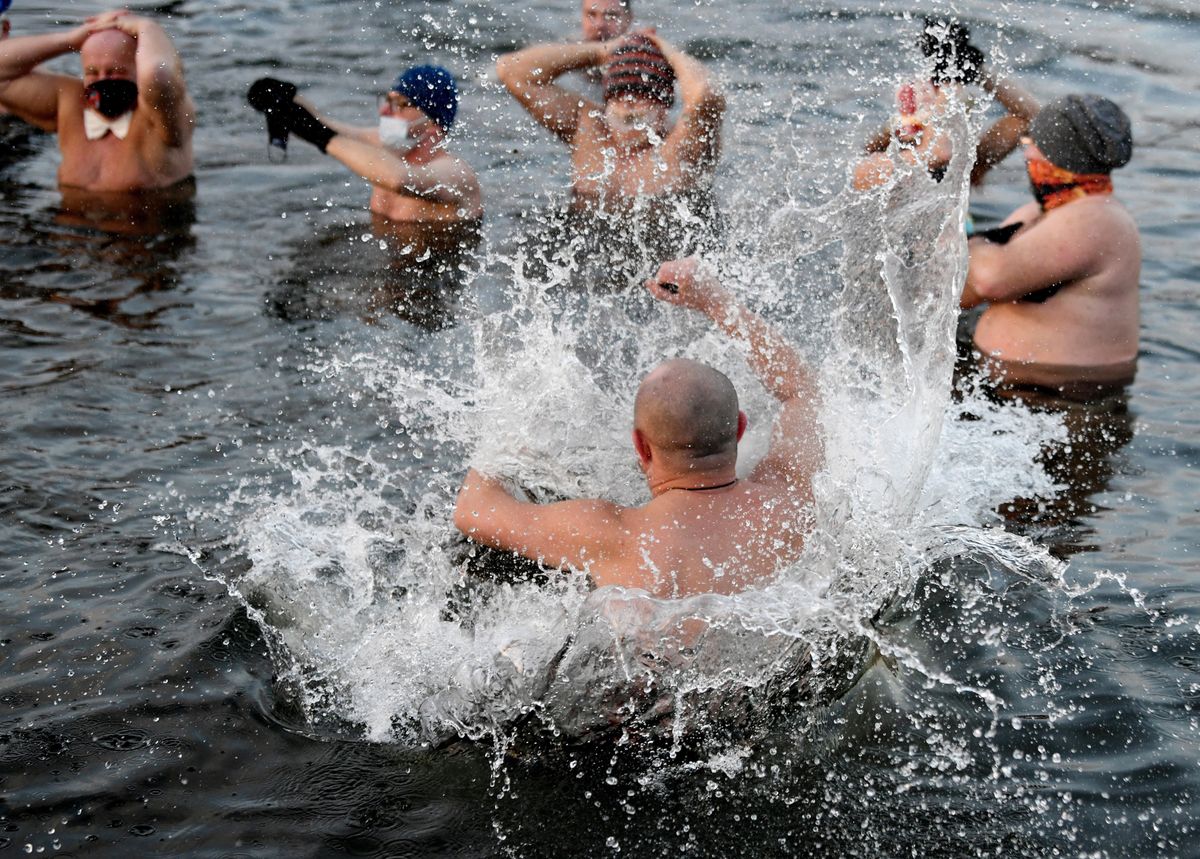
146	378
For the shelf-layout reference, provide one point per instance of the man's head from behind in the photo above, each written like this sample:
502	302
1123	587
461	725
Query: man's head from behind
606	19
686	418
1083	134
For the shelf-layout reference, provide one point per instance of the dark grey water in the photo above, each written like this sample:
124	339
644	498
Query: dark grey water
149	379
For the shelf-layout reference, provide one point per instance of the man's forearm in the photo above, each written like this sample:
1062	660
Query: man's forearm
19	56
541	64
385	170
1013	97
695	86
160	69
776	363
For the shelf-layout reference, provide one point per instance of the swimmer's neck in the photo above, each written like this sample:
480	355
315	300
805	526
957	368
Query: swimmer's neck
700	482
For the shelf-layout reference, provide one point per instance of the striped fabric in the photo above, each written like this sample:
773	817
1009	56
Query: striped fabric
637	67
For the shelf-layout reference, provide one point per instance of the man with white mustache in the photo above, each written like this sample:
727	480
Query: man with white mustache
414	176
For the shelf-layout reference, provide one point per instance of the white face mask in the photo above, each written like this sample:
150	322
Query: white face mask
393	133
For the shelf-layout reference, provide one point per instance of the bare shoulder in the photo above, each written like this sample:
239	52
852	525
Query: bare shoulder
451	163
1099	222
455	172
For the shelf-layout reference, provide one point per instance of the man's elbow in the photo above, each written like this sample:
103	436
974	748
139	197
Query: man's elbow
987	288
986	281
466	517
507	70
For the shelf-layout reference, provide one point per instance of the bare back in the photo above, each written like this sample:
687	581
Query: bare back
1090	319
710	541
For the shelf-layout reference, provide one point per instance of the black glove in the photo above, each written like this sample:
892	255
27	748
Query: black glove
274	99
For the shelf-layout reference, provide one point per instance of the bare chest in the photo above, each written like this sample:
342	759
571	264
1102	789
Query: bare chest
110	164
602	171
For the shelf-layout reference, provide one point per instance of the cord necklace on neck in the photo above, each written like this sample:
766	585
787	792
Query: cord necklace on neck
704	488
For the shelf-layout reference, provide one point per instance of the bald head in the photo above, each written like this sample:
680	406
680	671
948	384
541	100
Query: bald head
688	410
109	54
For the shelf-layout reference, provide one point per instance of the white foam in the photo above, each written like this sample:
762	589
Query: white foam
356	596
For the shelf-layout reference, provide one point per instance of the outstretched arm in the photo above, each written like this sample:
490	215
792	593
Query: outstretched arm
695	140
345	129
31	95
562	534
161	86
529	75
795	453
448	180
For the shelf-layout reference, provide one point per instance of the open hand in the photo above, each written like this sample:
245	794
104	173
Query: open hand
117	19
607	48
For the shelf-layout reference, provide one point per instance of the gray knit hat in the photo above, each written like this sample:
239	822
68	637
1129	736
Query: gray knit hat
1083	134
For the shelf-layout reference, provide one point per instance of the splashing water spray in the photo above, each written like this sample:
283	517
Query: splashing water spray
376	610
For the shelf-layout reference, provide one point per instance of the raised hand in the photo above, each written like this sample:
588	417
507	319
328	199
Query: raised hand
687	283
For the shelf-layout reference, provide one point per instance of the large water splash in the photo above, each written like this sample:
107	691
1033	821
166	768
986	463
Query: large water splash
378	613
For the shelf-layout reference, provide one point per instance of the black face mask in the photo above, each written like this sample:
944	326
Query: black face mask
111	97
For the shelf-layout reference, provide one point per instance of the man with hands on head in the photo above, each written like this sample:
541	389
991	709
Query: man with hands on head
625	148
704	530
414	176
955	63
127	125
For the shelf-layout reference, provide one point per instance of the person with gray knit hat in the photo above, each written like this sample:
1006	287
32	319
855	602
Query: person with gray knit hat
1060	274
1083	134
415	178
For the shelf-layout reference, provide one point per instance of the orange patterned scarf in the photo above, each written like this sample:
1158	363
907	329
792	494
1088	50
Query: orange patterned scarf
1054	186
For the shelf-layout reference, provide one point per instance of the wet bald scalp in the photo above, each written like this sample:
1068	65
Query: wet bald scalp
109	46
688	410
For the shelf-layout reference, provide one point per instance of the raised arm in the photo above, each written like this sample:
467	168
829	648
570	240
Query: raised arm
795	453
563	534
367	134
529	74
1004	134
161	86
31	95
696	139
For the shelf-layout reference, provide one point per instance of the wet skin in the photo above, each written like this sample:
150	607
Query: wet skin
156	153
1091	248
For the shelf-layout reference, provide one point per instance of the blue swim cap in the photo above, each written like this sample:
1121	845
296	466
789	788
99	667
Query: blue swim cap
4	4
432	89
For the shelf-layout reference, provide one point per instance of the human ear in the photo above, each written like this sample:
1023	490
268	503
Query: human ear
642	447
743	423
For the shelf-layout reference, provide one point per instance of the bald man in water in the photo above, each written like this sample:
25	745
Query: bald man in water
127	124
704	529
